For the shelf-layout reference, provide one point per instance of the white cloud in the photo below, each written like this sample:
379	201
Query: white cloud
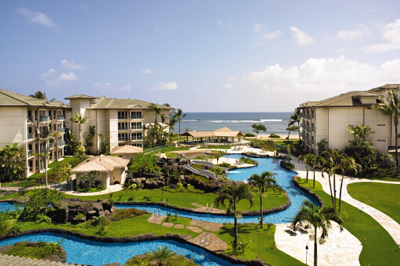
109	86
68	76
71	65
257	27
227	86
146	71
324	75
272	35
391	32
166	86
301	37
349	35
37	17
219	23
232	78
53	81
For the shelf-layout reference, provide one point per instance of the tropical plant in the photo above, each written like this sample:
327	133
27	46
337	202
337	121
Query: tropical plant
258	127
88	138
156	110
40	95
330	163
178	116
318	218
229	196
288	147
71	142
345	165
54	139
162	254
307	159
104	144
144	163
87	180
218	155
263	182
61	172
12	162
290	129
296	118
390	105
321	145
79	119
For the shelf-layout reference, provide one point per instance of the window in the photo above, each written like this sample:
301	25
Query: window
122	115
136	115
136	136
136	125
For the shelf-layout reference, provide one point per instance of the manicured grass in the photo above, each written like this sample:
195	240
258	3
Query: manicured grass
261	244
379	248
186	199
222	147
384	197
177	220
139	225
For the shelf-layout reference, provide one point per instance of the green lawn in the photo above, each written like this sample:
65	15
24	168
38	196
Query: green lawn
261	244
379	248
222	147
384	197
186	199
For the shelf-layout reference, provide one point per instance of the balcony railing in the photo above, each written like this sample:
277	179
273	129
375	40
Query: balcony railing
122	139
30	119
61	129
29	136
61	117
136	116
137	127
122	128
45	118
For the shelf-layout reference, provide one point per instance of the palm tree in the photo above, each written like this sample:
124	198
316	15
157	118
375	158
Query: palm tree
79	119
156	110
307	159
229	196
347	164
296	118
263	182
390	105
178	116
330	163
288	147
38	95
315	163
55	135
318	218
161	255
290	129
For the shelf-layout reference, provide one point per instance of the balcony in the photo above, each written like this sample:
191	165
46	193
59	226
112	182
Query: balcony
45	118
30	119
61	117
61	129
122	139
29	136
137	128
137	117
30	153
122	128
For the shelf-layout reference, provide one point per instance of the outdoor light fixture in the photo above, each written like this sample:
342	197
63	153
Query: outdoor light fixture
306	253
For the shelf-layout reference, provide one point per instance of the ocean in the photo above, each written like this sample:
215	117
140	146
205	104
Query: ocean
274	122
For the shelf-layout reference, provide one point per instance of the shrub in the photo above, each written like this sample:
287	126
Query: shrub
126	214
146	198
144	164
87	180
39	250
250	135
217	170
79	216
225	165
274	136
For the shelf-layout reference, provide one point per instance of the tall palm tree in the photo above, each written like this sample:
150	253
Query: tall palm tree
263	182
390	105
38	95
156	110
296	118
178	116
315	163
330	163
229	196
79	119
307	159
318	218
345	165
55	135
288	147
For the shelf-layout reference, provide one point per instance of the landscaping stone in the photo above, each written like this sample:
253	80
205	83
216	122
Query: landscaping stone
194	229
167	224
179	226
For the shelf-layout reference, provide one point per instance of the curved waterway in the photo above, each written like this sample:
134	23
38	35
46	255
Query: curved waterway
82	251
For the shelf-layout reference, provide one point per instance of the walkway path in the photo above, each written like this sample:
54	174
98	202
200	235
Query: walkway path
14	260
390	225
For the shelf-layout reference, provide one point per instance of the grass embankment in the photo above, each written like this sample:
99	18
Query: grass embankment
379	248
186	199
261	244
384	197
33	181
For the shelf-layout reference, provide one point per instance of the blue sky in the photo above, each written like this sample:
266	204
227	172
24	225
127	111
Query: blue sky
245	56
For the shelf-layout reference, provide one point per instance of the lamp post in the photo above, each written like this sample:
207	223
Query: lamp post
306	253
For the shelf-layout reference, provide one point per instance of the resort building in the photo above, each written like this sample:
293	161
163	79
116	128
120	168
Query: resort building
120	121
328	119
30	122
222	135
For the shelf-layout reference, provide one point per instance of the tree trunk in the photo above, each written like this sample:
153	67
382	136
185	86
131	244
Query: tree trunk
315	247
307	174
395	138
45	163
236	235
334	189
314	178
330	189
261	211
340	193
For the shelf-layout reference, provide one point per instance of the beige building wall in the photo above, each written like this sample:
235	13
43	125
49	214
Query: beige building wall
80	106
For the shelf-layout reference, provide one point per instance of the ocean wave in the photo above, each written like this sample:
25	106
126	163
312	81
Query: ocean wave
271	120
191	120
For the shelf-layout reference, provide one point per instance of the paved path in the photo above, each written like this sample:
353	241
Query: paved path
16	261
390	225
110	189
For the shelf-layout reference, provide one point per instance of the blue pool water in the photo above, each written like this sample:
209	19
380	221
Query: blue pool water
82	251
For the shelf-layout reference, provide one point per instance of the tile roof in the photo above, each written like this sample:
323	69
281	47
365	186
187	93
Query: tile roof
113	103
100	163
79	96
222	132
126	149
8	98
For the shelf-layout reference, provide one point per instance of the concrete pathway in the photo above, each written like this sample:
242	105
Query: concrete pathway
340	247
390	225
210	241
15	260
110	189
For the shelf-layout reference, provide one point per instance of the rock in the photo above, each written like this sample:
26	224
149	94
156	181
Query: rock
113	209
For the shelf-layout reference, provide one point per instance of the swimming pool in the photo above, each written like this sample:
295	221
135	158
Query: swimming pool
82	251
